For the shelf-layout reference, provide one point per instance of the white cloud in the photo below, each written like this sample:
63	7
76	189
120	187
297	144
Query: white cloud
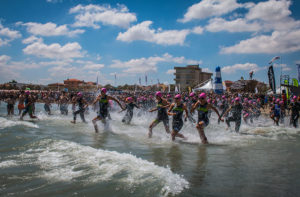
7	35
54	51
143	32
237	25
4	58
244	67
32	39
209	8
278	42
93	66
198	30
170	72
146	65
91	15
51	29
206	70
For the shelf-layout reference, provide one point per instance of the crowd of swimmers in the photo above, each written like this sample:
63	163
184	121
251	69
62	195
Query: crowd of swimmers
181	107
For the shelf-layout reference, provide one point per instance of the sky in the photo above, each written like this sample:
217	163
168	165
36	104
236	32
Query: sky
120	41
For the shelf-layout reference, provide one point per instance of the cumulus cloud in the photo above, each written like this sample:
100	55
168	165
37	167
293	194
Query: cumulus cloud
198	30
237	25
7	35
32	39
91	15
54	51
284	67
236	67
146	65
209	8
278	42
51	29
4	58
142	31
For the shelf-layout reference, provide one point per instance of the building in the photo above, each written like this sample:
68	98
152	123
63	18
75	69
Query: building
56	86
73	83
190	76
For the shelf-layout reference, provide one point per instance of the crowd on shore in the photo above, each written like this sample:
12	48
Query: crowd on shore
229	107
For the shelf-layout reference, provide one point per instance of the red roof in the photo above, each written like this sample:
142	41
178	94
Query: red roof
73	80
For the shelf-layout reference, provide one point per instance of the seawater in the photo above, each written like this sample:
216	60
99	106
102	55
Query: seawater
52	157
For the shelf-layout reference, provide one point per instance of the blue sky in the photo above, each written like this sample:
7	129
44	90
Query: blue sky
46	41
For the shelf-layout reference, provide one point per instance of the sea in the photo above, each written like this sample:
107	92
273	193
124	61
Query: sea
53	157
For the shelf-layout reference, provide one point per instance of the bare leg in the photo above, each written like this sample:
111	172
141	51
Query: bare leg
200	128
152	125
95	123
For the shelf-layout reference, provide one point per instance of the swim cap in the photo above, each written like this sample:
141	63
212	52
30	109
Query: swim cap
192	94
158	94
208	100
250	102
223	97
103	90
294	97
79	94
129	99
27	89
202	95
237	99
178	96
254	103
292	100
281	102
168	96
277	100
245	99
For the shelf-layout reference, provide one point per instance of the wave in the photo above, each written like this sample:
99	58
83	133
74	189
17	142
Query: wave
5	123
66	161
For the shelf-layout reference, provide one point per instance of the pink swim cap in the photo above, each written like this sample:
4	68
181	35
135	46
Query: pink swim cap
281	102
250	102
129	99
178	96
294	97
237	99
79	94
158	94
245	99
208	100
103	90
292	100
202	95
192	94
169	96
223	97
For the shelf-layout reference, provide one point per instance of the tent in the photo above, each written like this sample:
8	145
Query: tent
277	91
208	86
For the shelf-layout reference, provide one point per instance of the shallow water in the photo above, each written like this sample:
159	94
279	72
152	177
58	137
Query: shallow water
52	157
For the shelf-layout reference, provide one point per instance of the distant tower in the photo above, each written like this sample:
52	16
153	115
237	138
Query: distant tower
218	81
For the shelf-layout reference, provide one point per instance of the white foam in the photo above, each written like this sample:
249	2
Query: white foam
8	163
69	161
5	123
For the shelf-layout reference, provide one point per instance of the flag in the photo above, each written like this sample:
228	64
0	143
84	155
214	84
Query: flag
179	87
146	79
140	81
273	59
176	89
272	79
295	82
169	88
115	76
97	80
298	72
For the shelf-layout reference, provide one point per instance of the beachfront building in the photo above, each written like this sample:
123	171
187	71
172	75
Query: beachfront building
73	83
190	76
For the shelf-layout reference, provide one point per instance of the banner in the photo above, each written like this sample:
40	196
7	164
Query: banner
286	82
272	79
295	82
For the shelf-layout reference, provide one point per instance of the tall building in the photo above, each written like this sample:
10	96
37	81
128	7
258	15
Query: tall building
190	76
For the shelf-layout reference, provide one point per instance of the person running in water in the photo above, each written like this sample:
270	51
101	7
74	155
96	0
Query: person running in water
21	102
63	103
236	114
162	116
129	107
29	102
176	110
294	107
103	100
82	104
202	107
10	105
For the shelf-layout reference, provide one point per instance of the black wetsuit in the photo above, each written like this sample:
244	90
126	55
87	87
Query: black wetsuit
295	107
103	105
177	119
80	110
162	114
203	114
129	113
236	116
